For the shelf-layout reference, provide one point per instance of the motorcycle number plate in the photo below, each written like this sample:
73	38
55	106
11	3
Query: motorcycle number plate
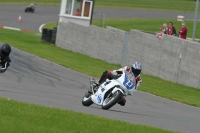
102	89
99	98
128	84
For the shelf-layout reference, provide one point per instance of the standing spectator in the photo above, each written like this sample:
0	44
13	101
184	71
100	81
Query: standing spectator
77	13
165	28
183	31
170	29
173	29
160	35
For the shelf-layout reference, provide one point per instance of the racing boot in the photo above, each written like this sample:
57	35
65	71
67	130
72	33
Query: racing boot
104	76
122	102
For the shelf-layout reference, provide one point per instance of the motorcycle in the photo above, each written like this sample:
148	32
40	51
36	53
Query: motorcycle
109	92
30	9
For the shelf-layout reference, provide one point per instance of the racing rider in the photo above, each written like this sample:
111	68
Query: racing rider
32	5
133	73
5	50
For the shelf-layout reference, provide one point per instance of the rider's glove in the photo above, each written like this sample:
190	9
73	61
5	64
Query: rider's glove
114	74
138	81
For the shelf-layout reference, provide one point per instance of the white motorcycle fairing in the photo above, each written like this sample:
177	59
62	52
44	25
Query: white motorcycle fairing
98	97
122	84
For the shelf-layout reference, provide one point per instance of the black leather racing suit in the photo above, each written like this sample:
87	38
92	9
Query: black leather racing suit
4	64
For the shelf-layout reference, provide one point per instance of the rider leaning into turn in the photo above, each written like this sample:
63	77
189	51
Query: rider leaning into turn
32	5
5	50
133	73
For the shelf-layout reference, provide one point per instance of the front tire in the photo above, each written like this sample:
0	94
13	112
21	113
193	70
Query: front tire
111	101
26	10
86	101
32	10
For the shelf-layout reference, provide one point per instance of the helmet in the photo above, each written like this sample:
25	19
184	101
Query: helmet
5	50
136	68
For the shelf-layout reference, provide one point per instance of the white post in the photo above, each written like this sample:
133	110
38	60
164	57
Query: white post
83	8
63	7
72	8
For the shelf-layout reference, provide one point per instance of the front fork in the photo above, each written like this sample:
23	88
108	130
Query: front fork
92	80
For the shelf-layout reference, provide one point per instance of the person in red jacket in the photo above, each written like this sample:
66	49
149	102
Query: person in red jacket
183	31
170	30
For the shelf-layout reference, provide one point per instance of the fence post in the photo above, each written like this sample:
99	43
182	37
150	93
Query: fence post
103	19
125	49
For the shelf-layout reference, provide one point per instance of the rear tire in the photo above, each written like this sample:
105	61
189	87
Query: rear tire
107	103
86	101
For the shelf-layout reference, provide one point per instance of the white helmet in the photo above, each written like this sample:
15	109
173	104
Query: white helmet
136	68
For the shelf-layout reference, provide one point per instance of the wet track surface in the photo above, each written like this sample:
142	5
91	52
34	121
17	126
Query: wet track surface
38	81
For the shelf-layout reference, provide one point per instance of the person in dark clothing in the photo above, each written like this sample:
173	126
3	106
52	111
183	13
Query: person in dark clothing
5	50
173	29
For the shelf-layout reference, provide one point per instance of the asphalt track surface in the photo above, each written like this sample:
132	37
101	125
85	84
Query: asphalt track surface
35	80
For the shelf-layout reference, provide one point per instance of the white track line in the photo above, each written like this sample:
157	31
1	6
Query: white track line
40	29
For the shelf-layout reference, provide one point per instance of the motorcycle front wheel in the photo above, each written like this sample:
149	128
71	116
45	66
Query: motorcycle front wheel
26	10
32	10
86	101
112	100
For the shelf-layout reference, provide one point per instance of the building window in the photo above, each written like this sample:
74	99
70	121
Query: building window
87	8
69	7
78	8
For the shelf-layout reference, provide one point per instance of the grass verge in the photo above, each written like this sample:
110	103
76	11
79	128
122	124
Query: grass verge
85	64
18	117
150	25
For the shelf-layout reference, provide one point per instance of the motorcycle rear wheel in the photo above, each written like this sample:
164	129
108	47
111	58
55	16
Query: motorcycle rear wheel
111	101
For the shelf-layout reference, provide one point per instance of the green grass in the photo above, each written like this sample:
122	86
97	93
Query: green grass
150	25
170	5
170	90
32	44
37	2
50	25
18	117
